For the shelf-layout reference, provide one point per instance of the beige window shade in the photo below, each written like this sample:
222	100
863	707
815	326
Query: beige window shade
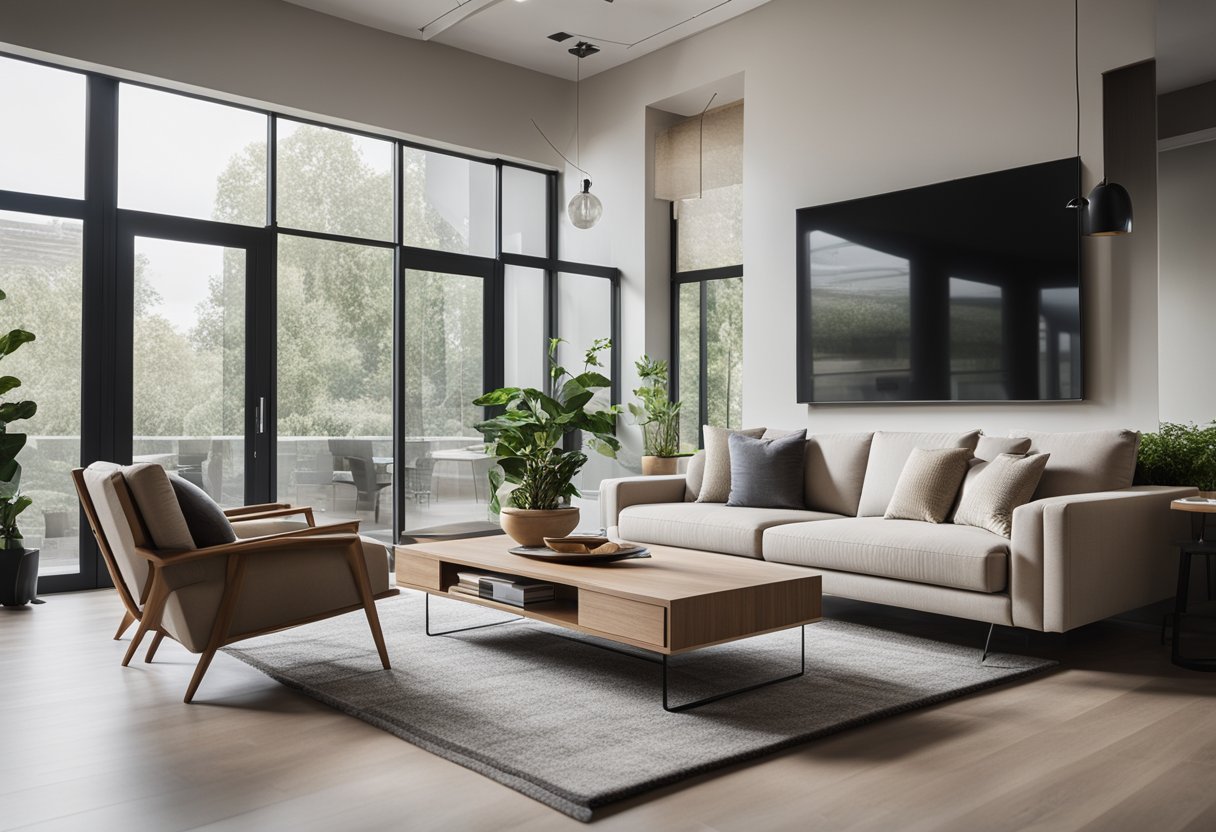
691	157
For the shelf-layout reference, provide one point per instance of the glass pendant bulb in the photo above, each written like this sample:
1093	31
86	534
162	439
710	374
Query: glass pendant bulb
585	208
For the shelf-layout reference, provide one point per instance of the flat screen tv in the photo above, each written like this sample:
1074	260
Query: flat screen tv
967	291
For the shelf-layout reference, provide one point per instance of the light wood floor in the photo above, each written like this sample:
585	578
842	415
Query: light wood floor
1116	739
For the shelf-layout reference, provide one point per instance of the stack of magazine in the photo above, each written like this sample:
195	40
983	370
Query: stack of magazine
506	589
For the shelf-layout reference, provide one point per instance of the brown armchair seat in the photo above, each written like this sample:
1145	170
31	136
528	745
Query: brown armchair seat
280	572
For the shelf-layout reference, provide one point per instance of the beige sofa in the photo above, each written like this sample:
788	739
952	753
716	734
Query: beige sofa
1090	545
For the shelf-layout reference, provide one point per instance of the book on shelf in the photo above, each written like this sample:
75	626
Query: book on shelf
506	589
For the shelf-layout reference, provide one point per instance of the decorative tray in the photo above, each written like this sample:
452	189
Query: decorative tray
545	553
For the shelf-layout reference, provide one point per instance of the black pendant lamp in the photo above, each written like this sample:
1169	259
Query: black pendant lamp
1107	211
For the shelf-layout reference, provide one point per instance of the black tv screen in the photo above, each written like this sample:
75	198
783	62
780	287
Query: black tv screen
967	290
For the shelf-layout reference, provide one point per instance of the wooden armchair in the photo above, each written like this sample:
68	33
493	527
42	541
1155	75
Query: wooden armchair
278	573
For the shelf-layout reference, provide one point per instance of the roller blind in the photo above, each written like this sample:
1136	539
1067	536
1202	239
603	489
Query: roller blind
691	157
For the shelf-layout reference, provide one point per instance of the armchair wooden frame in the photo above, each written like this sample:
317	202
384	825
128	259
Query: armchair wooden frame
150	606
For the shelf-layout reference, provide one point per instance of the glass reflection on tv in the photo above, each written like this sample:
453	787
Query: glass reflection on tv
966	290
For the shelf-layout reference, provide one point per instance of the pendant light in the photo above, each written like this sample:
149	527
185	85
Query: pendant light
585	209
1107	211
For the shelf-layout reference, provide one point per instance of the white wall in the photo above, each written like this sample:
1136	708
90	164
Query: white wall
848	98
1187	178
303	62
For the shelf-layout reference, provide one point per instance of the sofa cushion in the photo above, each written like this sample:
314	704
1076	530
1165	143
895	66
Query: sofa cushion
713	527
1086	461
996	489
836	471
944	555
715	485
693	476
928	484
990	447
888	453
767	473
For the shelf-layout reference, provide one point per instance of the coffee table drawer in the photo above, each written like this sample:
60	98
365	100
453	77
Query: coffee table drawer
623	617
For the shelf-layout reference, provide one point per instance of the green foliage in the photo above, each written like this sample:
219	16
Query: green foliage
526	436
657	415
12	501
1178	454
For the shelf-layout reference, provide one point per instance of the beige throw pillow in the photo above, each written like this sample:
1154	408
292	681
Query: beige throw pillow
997	488
928	484
715	482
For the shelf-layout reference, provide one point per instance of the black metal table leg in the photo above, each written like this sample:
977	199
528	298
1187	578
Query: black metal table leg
460	629
1185	552
696	703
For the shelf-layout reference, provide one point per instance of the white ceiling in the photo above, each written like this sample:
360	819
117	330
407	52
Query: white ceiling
1186	43
516	31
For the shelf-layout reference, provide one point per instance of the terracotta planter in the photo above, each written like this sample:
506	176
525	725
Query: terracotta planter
530	527
18	576
653	466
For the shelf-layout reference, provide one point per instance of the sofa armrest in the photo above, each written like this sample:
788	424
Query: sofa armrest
618	494
1084	557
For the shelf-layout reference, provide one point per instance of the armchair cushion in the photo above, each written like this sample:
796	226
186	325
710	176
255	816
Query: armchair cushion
205	519
157	503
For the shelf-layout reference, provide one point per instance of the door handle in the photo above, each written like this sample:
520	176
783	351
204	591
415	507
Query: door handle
260	415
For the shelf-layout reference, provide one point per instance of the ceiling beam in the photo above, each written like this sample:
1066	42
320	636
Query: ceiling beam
465	10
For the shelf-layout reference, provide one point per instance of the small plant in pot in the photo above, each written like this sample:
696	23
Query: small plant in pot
658	417
18	565
533	480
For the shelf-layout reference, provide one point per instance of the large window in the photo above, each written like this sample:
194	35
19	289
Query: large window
270	307
699	167
40	272
42	140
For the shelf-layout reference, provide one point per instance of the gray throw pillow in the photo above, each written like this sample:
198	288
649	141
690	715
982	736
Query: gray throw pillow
997	489
205	519
928	484
767	473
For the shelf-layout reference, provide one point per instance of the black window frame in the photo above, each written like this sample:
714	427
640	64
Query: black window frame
106	335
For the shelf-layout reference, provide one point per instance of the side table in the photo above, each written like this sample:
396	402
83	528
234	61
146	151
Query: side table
1188	549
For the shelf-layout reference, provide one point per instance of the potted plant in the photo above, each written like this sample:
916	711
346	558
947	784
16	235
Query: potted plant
658	416
534	472
1179	454
18	565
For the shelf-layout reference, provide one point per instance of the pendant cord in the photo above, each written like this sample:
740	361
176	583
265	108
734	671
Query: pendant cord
578	78
1076	68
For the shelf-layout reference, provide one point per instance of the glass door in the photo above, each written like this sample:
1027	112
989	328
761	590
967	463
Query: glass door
443	466
199	390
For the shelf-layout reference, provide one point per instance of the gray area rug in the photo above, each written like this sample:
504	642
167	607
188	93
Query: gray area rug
577	727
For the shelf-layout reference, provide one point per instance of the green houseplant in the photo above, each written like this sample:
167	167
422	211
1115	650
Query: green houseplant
525	439
658	417
18	565
1178	454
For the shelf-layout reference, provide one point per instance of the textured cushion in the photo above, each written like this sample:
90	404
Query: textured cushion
888	453
205	519
158	508
693	476
711	527
767	473
990	447
997	488
1097	460
928	484
954	556
715	486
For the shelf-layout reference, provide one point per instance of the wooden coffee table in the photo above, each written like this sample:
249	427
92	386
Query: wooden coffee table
673	602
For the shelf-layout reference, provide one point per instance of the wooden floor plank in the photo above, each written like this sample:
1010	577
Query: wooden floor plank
1117	738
